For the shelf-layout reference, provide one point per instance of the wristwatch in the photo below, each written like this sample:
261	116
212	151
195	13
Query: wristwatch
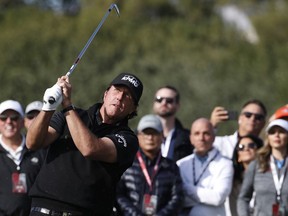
68	108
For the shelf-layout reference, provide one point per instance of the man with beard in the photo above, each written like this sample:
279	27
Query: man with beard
176	143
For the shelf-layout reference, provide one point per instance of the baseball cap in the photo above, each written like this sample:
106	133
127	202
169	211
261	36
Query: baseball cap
11	105
281	112
150	121
132	82
35	105
278	122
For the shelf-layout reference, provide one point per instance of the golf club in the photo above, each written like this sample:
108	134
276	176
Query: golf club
112	6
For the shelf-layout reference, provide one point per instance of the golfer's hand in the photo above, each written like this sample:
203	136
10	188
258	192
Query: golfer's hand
66	87
52	98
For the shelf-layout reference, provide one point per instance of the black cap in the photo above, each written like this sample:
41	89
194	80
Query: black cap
132	82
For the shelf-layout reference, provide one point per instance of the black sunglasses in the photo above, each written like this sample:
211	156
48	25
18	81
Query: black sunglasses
168	100
31	115
258	117
12	117
241	147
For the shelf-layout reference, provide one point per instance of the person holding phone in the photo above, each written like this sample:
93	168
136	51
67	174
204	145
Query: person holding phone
251	120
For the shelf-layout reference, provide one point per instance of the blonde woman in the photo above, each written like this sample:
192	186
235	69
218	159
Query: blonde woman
267	176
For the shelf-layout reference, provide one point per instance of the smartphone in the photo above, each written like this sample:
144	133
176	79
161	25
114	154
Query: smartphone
232	115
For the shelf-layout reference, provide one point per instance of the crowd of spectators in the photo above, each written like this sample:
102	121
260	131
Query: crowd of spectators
176	171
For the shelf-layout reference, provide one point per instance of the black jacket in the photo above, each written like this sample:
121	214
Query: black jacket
17	204
182	146
167	185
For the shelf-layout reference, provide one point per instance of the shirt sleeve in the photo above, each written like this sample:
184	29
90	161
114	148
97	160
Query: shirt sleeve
126	143
57	122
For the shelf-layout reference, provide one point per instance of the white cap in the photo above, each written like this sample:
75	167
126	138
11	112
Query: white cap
278	122
150	121
11	105
35	105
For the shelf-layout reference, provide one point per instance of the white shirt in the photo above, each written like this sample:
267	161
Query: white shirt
15	155
226	144
213	187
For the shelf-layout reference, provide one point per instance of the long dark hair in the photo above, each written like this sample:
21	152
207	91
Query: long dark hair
238	166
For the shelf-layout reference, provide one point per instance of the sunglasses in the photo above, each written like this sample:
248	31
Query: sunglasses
168	100
258	117
31	116
241	147
12	117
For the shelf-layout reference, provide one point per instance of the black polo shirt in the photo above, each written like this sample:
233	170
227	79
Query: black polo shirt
67	177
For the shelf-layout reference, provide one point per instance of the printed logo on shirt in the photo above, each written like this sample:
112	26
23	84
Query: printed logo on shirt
121	140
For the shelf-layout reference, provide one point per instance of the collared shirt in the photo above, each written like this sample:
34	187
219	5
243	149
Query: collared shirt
15	155
167	147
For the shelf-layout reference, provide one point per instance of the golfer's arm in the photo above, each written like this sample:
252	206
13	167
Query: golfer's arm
39	134
88	144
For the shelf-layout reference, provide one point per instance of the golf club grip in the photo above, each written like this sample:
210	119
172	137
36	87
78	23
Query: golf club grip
51	100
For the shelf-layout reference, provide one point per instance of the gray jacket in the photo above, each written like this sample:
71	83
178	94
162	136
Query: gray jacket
263	185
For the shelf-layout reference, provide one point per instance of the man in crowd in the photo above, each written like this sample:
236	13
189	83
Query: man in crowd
19	167
176	143
88	149
250	121
31	112
152	186
206	174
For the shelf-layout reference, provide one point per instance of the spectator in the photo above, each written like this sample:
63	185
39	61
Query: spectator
244	153
19	167
267	176
31	112
250	121
152	186
176	143
88	149
280	113
206	174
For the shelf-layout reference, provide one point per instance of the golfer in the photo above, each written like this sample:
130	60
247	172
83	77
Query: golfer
88	149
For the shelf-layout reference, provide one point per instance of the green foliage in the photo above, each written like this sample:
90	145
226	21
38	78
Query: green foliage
185	45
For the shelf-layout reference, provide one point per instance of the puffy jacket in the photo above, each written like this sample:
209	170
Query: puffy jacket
167	185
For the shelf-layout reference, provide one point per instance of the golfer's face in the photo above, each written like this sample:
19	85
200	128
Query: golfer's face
118	102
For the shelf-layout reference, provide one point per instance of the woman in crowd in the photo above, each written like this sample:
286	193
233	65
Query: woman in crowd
267	176
244	153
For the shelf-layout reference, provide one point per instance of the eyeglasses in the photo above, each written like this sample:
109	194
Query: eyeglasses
31	116
168	100
258	117
12	117
241	147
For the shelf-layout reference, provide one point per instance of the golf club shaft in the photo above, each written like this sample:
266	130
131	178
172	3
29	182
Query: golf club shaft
91	38
52	100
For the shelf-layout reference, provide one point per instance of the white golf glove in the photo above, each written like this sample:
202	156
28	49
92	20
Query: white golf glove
52	98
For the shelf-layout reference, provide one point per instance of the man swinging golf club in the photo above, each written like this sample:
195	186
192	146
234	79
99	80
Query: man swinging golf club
88	149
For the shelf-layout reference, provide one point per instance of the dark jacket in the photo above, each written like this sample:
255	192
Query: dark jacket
167	185
17	204
182	146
